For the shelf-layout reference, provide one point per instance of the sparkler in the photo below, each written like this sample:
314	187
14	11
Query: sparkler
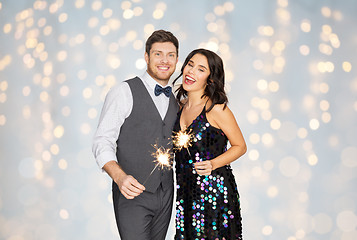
162	158
183	139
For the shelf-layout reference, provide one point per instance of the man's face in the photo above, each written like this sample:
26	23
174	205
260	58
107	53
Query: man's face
161	63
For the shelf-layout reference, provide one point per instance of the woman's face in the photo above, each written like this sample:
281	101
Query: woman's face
195	74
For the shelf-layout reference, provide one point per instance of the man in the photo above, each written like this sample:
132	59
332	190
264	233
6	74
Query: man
137	114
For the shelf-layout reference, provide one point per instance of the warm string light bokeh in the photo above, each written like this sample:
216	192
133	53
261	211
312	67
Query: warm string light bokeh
291	80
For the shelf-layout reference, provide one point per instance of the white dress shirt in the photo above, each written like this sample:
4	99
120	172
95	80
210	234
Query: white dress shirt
117	107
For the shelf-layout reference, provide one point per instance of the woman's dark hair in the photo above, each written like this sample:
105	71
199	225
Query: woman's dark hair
215	82
161	36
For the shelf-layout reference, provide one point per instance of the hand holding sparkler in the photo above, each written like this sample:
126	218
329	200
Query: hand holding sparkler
162	158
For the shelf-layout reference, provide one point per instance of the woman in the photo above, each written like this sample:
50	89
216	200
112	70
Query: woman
207	196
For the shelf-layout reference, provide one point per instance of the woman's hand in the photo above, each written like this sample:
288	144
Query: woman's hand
204	167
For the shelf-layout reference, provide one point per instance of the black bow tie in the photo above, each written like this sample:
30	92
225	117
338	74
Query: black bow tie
165	90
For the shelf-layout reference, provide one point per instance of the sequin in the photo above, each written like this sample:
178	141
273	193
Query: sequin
207	207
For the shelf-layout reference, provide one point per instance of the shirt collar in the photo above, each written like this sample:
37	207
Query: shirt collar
147	79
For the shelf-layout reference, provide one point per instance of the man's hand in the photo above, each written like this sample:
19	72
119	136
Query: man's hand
129	187
204	167
127	184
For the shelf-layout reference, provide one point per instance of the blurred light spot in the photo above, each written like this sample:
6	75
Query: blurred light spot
346	221
62	17
267	230
3	86
264	46
44	96
266	114
275	124
324	88
267	139
285	105
272	191
337	15
138	11
93	22
322	223
273	86
62	164
87	93
302	133
66	111
99	80
228	6
307	145
47	30
138	44
2	120
46	82
113	61
219	10
258	64
31	43
128	13
92	113
348	157
314	124
283	14
304	50
64	214
347	67
312	159
3	97
96	5
107	13
252	117
325	49
58	131
26	112
254	138
82	74
262	85
268	165
85	128
256	172
7	28
104	30
289	166
46	156
305	25
64	91
266	31
212	27
326	117
253	154
114	24
79	3
326	12
324	105
54	149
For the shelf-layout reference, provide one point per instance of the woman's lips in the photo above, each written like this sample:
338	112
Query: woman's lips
189	80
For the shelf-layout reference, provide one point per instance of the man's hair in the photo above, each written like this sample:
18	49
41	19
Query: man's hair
161	36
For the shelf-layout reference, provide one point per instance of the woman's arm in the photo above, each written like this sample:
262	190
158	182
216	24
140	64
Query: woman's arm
224	119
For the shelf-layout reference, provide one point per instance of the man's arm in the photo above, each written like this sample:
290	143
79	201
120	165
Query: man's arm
117	106
127	184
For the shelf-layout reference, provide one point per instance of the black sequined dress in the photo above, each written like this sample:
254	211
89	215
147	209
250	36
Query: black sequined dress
207	207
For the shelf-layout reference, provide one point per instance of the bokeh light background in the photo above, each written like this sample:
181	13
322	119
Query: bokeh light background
292	84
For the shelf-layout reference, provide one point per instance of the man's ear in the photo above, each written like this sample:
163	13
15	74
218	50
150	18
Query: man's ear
146	58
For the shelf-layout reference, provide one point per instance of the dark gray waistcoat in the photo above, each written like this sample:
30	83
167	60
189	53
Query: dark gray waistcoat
139	132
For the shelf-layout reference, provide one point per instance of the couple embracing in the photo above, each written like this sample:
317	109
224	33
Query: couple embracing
143	111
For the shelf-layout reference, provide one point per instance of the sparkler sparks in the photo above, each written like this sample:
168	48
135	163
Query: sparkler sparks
183	139
163	159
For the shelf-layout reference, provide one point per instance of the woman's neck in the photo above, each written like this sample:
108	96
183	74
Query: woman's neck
195	99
